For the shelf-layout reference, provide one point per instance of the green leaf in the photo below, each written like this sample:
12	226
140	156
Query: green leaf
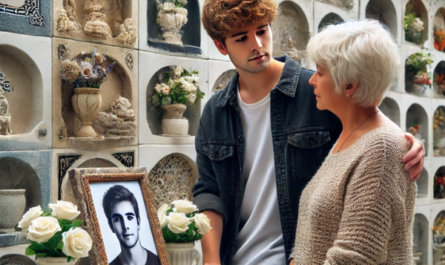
29	251
60	246
77	223
54	241
41	255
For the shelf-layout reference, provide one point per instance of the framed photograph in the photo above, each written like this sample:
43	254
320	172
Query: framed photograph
121	210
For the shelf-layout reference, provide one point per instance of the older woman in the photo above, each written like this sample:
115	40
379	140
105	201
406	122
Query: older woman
358	208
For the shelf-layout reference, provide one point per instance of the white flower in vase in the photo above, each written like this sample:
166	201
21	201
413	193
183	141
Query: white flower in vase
64	210
178	223
202	222
30	215
184	206
163	221
43	228
76	243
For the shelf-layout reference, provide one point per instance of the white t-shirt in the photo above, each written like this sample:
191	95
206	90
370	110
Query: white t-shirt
260	240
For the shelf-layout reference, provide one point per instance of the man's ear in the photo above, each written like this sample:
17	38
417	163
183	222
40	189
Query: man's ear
350	89
221	47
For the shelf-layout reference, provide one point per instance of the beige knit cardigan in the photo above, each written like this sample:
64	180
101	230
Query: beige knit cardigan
358	208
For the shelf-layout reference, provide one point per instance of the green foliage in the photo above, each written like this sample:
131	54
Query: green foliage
188	236
419	60
54	246
409	17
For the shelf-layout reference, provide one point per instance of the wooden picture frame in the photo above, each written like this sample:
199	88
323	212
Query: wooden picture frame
81	181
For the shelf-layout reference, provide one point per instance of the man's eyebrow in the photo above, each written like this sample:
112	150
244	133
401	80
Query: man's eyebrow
245	32
132	214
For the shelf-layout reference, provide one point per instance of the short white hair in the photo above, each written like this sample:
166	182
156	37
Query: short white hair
357	51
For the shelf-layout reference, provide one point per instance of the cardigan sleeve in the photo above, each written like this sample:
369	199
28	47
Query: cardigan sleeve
377	181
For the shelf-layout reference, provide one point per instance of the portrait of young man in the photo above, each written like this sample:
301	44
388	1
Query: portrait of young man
260	141
122	212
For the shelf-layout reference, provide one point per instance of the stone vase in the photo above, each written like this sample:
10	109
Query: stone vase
12	207
96	24
183	254
86	104
55	261
173	122
171	22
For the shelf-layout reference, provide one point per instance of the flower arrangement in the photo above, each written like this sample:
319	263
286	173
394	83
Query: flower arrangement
413	25
439	230
177	86
181	223
86	70
439	79
439	40
55	233
418	62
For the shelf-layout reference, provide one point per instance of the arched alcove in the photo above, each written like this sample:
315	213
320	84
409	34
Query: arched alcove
438	230
290	31
154	114
417	78
172	179
439	131
329	19
118	84
439	29
418	10
420	238
383	11
190	32
439	183
26	89
439	79
223	80
417	122
391	109
17	174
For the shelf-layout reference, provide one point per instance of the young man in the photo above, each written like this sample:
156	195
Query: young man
121	209
259	141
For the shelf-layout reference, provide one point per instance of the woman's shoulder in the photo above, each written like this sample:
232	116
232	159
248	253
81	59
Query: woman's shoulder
388	142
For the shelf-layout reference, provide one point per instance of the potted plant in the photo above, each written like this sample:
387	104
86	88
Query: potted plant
417	67
413	26
86	72
181	226
171	17
176	90
55	236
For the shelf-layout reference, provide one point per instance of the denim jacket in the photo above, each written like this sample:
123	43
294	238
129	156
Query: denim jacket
302	137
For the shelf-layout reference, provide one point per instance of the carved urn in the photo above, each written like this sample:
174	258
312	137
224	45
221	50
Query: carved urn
173	122
171	19
12	205
86	104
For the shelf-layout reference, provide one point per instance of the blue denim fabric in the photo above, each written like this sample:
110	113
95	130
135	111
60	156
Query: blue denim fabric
302	137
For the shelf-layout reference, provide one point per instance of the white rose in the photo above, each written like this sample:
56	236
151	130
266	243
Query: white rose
186	86
202	222
30	215
178	223
168	6
184	206
171	82
76	243
165	89
193	88
43	228
64	210
163	221
178	71
191	98
158	88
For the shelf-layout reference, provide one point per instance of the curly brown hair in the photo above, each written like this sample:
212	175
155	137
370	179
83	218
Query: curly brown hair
221	17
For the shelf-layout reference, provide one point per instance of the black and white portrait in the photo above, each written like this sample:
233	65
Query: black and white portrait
124	223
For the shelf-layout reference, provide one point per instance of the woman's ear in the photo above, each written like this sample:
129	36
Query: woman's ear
350	89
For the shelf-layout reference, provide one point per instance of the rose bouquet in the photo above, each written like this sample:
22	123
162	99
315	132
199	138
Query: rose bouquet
439	229
86	70
55	233
181	223
177	86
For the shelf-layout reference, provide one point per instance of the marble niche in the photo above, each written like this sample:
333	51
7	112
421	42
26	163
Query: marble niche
115	124
106	21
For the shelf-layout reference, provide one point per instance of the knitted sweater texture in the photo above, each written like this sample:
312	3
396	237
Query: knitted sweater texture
359	207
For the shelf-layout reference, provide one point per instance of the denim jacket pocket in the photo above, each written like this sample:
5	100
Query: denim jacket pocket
218	152
305	149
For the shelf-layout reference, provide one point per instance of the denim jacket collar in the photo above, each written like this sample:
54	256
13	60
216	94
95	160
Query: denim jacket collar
287	84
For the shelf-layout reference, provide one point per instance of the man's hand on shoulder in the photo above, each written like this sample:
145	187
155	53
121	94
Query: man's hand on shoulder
414	158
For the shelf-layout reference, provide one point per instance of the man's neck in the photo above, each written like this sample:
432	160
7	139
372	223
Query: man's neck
136	255
253	87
